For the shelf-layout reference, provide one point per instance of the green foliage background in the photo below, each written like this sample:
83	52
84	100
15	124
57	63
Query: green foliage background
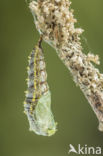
77	123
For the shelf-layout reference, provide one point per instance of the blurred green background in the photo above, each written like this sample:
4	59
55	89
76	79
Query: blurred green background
77	124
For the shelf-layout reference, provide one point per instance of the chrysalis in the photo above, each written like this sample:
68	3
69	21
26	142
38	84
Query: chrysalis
37	103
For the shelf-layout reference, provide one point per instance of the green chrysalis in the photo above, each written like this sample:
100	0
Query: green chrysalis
37	104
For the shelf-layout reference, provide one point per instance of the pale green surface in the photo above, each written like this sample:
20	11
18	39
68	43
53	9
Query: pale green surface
76	120
44	123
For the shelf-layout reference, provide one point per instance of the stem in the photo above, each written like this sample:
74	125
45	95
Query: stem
55	20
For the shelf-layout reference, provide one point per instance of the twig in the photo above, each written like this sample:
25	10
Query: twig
54	19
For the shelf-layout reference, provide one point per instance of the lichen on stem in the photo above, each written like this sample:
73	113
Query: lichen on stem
55	21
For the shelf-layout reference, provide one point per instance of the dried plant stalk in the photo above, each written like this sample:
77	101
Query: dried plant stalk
55	21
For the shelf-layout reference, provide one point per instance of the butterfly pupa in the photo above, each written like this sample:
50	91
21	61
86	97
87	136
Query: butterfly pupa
37	105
